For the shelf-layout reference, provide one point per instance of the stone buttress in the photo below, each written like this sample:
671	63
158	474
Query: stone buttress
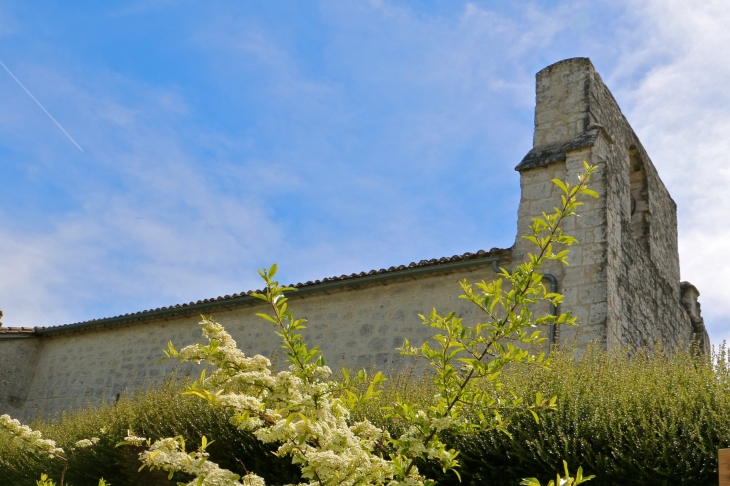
623	281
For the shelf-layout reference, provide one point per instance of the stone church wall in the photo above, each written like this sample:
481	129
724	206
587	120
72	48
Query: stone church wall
359	328
18	357
583	283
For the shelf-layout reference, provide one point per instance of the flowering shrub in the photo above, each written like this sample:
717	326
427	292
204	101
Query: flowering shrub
307	412
302	409
26	437
169	455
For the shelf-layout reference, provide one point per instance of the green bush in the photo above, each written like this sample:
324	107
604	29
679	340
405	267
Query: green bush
649	420
156	412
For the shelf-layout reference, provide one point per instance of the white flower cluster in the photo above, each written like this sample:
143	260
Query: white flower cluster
298	409
169	455
84	443
29	436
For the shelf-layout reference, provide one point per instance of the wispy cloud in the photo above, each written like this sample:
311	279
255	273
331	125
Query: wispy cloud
146	224
337	170
681	109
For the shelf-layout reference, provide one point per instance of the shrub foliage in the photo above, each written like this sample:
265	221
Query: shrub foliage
654	419
156	412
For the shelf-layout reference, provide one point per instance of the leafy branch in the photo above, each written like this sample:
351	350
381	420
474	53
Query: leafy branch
468	360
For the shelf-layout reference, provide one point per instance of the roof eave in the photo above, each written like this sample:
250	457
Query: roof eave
246	300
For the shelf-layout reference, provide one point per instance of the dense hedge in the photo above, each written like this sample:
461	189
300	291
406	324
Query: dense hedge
155	413
647	420
655	420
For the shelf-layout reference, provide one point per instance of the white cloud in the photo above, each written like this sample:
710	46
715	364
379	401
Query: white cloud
681	110
145	225
150	224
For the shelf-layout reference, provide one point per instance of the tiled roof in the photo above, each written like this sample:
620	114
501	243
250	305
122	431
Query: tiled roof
8	331
478	258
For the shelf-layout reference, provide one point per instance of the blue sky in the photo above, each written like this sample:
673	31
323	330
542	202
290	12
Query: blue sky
330	137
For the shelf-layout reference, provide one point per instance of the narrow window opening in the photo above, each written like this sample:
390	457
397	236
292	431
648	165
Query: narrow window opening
639	198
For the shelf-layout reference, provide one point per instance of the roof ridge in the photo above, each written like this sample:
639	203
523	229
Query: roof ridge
434	262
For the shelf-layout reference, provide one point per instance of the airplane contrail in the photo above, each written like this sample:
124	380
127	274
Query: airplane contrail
39	104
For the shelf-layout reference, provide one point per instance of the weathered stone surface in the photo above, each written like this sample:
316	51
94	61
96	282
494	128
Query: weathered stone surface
690	294
18	358
355	327
626	274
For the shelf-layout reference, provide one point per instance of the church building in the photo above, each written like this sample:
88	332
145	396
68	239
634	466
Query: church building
623	281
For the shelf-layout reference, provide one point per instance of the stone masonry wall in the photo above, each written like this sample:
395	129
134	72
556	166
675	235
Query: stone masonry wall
584	282
625	292
18	357
359	328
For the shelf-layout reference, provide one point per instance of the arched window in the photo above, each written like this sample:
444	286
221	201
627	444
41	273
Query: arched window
639	198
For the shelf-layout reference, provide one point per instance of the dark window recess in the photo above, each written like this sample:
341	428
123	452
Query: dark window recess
640	216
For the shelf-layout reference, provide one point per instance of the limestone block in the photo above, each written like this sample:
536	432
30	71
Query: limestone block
592	293
539	190
598	314
595	253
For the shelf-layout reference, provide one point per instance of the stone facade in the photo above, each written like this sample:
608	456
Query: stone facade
623	280
18	357
358	324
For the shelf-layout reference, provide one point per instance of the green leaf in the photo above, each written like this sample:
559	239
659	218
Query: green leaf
535	416
561	185
267	317
530	482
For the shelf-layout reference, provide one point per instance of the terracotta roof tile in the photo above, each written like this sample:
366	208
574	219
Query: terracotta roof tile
16	330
